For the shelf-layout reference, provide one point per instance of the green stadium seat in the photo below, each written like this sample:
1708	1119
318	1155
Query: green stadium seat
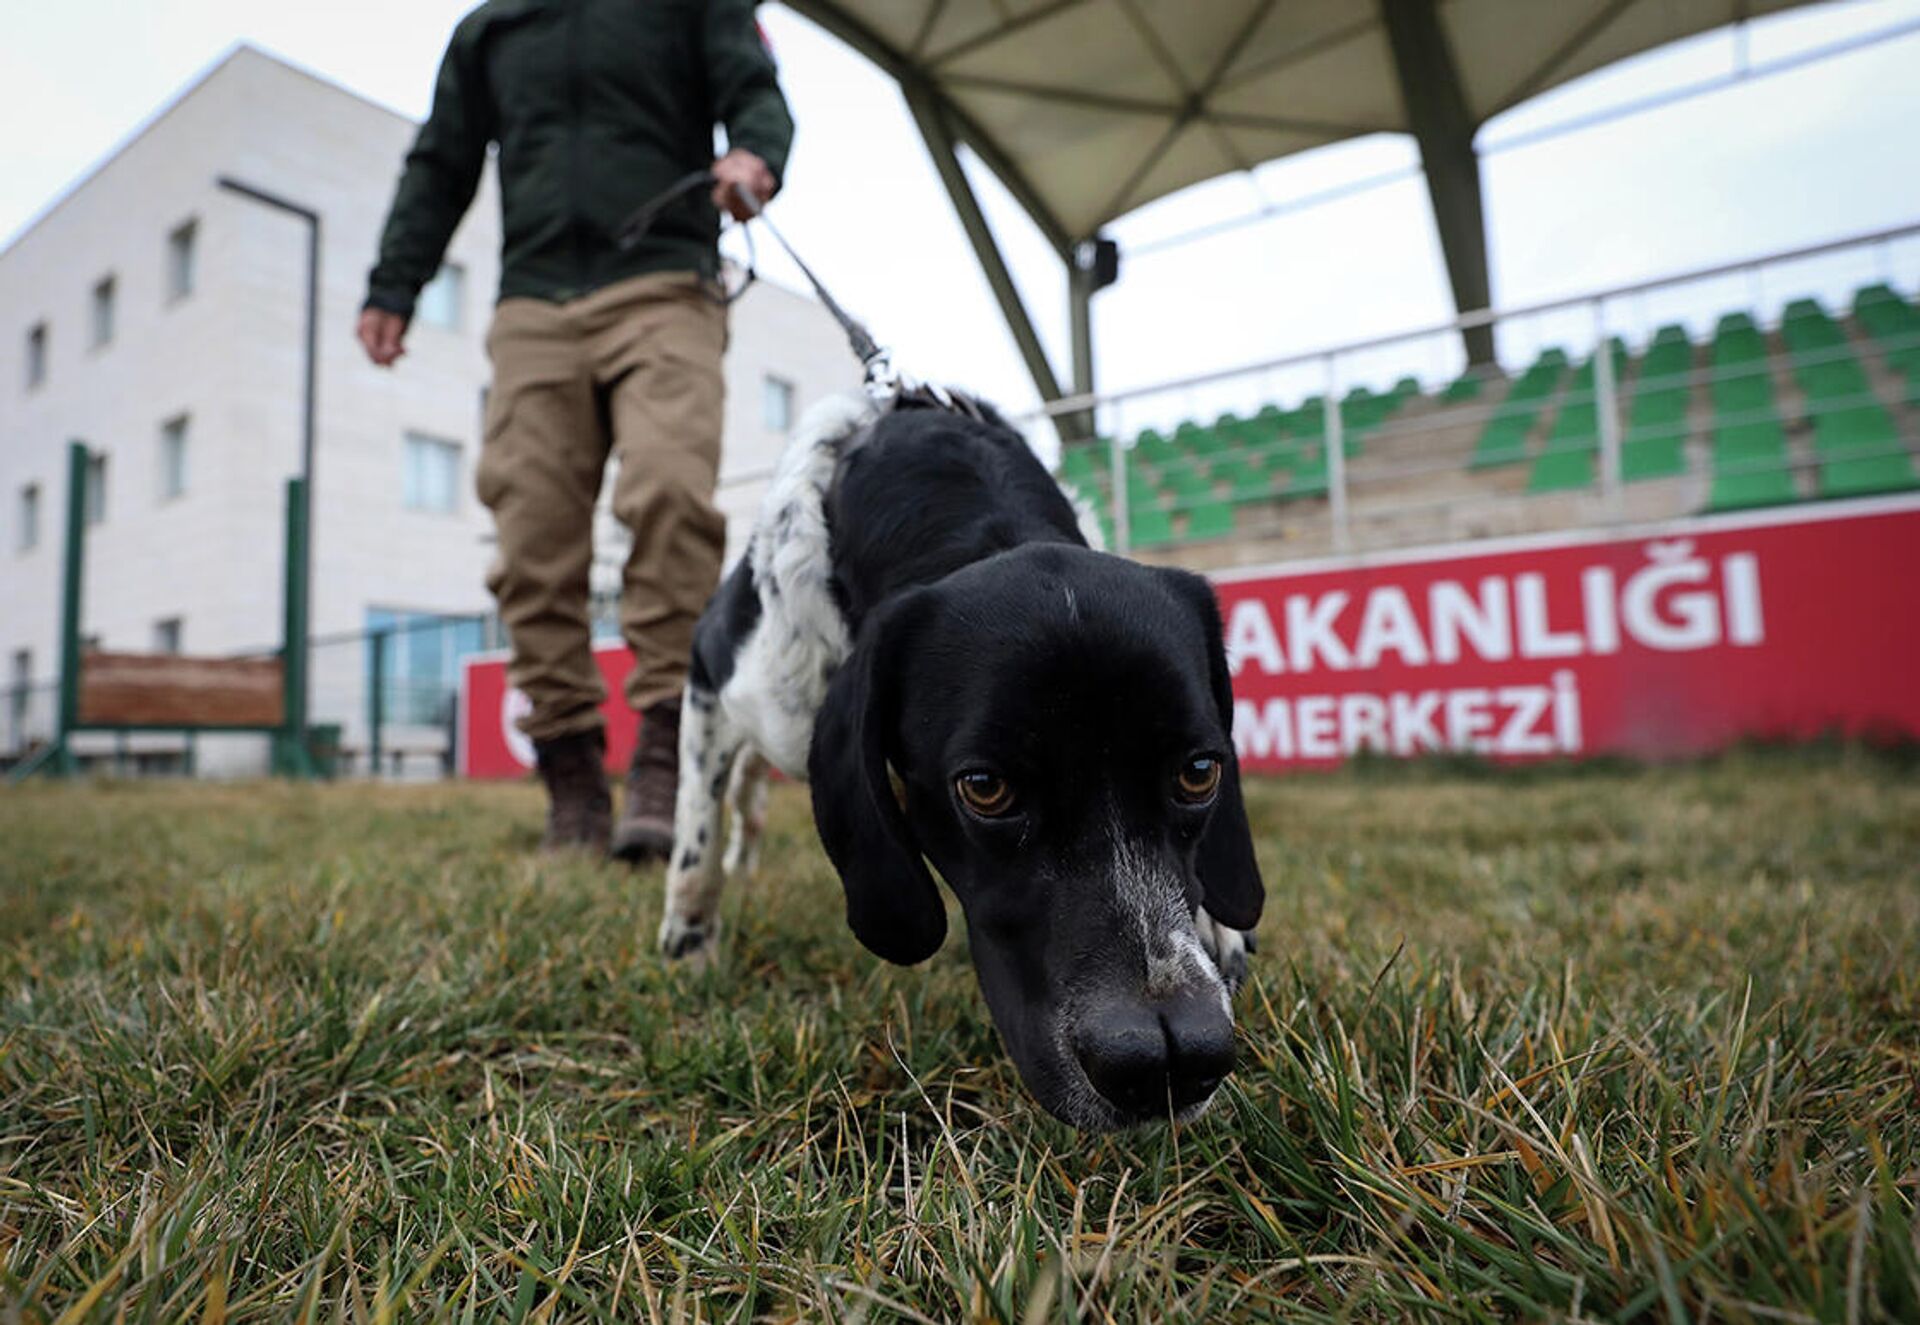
1192	439
1859	476
1894	326
1750	467
1504	440
1863	427
1155	448
1558	471
1857	442
1749	444
1244	480
1654	444
1568	458
1860	452
1183	479
1149	526
1308	476
1212	519
1079	462
1651	456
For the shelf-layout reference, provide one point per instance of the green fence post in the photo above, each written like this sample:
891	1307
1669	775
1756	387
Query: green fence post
293	758
376	701
61	761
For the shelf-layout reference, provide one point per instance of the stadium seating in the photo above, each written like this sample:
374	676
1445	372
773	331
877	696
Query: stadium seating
1854	437
1749	441
1837	402
1654	445
1894	326
1567	461
1504	442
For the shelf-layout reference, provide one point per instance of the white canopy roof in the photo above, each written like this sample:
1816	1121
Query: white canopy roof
1088	109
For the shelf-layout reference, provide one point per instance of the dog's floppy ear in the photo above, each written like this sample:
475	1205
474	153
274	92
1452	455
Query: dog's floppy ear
1230	883
892	904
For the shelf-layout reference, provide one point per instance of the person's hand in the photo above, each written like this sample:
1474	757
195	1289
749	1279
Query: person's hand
743	168
383	334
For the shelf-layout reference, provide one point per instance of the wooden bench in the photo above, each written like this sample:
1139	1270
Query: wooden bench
130	691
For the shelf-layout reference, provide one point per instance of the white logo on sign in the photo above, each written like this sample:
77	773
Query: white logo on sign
514	706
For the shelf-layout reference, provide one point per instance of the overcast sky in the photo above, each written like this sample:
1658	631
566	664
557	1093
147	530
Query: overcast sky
1791	159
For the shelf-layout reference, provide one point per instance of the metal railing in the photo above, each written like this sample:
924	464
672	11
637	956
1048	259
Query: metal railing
1414	476
384	701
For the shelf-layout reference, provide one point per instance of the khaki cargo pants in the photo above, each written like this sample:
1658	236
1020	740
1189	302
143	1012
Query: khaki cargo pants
631	371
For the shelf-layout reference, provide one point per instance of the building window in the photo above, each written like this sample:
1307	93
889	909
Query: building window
173	458
36	355
103	312
181	248
27	536
430	477
419	661
776	403
166	635
95	503
443	299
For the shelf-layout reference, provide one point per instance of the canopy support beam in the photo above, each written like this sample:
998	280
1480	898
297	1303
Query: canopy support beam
1080	288
942	143
1437	108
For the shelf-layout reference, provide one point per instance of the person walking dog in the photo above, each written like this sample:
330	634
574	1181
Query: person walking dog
595	106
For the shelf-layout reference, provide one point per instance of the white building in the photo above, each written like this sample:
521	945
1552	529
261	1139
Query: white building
158	318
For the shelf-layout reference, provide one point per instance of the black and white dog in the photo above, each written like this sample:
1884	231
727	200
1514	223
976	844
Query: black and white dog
920	628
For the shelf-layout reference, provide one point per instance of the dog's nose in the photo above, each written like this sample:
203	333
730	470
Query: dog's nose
1152	1058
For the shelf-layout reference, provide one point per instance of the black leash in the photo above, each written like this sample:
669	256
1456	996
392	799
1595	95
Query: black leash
881	381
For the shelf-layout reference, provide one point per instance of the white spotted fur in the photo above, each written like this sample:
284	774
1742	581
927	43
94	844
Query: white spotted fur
764	713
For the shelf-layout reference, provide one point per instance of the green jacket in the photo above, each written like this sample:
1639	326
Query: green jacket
597	106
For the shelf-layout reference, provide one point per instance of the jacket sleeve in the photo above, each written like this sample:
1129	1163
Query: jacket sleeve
437	183
745	86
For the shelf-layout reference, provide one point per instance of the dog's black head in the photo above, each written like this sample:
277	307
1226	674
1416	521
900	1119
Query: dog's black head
1051	728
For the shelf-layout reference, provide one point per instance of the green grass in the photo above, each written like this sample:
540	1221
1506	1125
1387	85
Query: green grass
1605	1044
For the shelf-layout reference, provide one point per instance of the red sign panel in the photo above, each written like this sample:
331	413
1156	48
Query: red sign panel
1790	624
1787	625
492	746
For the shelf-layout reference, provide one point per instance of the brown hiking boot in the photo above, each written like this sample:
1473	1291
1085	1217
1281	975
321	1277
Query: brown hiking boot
579	805
646	817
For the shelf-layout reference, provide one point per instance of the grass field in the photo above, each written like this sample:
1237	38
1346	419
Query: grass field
1575	1045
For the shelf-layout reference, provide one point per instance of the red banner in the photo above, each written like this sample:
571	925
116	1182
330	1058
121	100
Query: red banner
491	746
1789	624
1792	623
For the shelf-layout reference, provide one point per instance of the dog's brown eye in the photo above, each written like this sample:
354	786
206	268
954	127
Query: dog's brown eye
986	794
1199	779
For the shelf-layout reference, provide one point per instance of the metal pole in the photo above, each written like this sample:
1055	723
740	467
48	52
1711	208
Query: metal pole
73	579
1080	289
1607	408
297	625
1080	313
936	131
294	760
376	701
1122	521
1336	444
